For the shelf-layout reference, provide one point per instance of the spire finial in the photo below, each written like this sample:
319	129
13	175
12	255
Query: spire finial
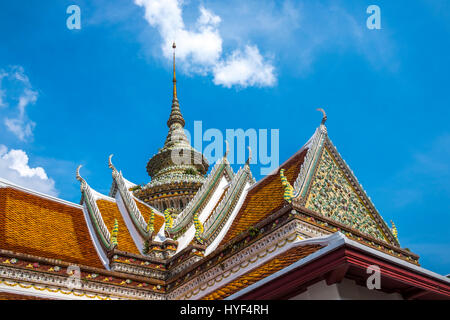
174	46
175	115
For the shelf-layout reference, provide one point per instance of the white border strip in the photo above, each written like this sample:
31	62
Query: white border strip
34	293
5	183
94	237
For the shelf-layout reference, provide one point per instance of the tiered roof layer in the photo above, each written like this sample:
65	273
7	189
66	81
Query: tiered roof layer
38	226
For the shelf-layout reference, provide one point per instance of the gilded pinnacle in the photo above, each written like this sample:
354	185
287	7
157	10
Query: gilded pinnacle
174	74
175	115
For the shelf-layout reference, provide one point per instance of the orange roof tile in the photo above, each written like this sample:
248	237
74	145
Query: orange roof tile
281	261
265	198
110	212
146	211
34	225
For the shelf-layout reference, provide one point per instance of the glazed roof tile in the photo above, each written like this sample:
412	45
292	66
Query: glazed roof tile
265	198
110	212
38	226
281	261
146	211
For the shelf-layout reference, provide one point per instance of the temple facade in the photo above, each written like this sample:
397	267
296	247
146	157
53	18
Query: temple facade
307	231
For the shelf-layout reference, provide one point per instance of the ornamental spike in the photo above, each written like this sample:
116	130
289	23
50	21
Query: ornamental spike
168	219
151	220
198	228
288	194
115	233
394	230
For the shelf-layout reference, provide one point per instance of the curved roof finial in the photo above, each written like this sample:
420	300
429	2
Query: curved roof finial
249	156
324	118
83	183
110	164
227	149
79	178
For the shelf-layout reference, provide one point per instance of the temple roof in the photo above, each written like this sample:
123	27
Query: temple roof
110	212
265	197
40	225
146	211
233	229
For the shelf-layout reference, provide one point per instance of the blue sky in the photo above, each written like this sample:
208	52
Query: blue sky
70	97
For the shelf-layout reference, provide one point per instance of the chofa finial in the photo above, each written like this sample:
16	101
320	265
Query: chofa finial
79	178
227	149
324	118
249	156
83	183
110	164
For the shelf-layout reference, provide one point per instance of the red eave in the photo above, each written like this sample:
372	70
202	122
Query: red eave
351	263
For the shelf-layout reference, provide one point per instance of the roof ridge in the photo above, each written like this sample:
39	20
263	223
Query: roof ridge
146	204
101	196
274	172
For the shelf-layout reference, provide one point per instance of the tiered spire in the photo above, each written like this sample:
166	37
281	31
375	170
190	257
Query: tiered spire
175	115
177	170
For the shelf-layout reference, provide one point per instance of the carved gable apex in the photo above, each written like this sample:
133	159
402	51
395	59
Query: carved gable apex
330	188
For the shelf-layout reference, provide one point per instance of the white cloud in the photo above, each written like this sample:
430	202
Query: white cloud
17	98
15	168
245	69
200	48
302	33
2	92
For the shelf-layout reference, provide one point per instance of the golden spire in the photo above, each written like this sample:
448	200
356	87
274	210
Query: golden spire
176	140
175	115
174	46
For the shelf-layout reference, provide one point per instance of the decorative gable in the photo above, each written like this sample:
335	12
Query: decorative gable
332	195
327	186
